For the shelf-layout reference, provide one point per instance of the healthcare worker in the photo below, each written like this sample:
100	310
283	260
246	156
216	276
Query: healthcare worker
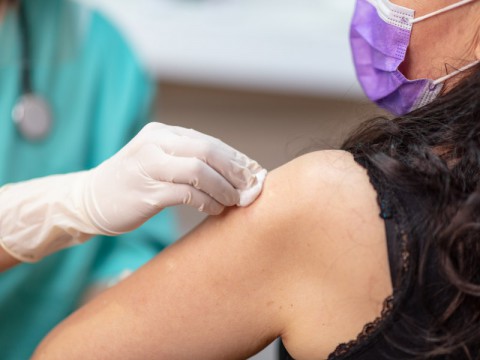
72	94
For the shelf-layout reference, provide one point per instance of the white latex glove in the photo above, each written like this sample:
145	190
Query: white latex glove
162	166
165	166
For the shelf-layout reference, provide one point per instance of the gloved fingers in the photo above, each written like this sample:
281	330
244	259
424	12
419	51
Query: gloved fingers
194	134
217	157
187	170
236	167
182	194
234	153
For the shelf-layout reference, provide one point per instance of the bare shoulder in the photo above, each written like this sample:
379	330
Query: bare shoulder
322	201
307	262
332	167
341	241
320	186
326	169
326	200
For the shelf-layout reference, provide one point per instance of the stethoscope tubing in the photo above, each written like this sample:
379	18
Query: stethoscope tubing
31	114
25	45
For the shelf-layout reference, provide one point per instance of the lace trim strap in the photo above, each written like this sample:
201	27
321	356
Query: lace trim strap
391	210
368	332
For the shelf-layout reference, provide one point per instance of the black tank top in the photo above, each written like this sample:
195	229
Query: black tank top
385	338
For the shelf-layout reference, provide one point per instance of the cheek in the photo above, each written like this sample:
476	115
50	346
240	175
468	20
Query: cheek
422	53
404	3
436	44
423	7
437	41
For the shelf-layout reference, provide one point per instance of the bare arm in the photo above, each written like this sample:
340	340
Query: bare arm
277	268
6	260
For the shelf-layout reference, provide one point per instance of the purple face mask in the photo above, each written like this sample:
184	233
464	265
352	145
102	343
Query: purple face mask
380	35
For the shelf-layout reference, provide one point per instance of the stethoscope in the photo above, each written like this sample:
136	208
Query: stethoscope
31	114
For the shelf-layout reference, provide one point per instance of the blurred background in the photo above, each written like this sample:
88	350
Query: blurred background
273	78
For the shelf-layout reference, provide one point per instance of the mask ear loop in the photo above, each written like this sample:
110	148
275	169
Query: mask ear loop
455	73
438	12
441	11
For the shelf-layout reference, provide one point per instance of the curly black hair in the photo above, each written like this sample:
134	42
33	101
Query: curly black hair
434	153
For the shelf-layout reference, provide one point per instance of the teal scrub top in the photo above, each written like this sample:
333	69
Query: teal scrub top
100	97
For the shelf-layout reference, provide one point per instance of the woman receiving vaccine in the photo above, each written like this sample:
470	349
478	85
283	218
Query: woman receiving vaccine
369	252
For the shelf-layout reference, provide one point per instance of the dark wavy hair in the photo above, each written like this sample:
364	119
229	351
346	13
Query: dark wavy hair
434	154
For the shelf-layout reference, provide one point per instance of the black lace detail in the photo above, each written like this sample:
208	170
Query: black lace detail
368	332
390	209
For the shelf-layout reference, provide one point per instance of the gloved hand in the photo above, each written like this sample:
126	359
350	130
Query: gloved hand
162	166
166	166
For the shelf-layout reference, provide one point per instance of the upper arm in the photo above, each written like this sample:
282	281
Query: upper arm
231	286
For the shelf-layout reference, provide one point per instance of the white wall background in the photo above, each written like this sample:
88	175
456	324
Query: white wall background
282	45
